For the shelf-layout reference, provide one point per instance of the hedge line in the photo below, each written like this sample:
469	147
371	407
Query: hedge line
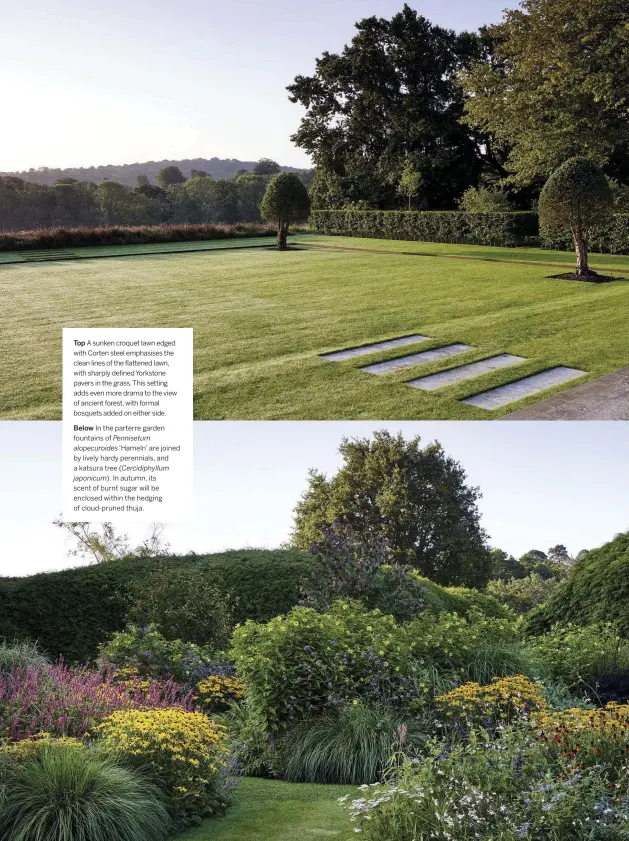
506	229
495	229
70	612
596	591
121	235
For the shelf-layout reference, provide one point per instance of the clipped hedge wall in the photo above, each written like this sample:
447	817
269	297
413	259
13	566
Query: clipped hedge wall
597	591
613	239
498	229
70	612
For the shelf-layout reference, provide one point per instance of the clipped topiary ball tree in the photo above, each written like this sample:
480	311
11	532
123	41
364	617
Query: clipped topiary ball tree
576	197
285	201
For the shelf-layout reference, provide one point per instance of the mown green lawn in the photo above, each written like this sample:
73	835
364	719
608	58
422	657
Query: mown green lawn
262	317
268	810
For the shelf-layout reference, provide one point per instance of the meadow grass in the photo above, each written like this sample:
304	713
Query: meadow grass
261	318
269	810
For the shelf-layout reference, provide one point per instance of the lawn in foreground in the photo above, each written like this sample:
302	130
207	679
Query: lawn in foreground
268	810
262	317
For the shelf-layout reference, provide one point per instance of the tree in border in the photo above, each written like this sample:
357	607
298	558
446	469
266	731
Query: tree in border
577	197
414	501
285	201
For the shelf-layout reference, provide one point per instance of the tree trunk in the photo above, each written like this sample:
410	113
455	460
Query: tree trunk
282	232
580	246
409	202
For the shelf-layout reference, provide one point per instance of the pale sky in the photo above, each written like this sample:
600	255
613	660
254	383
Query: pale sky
88	83
543	483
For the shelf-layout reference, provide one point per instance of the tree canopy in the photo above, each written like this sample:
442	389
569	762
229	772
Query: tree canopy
553	84
576	198
415	502
285	201
169	175
393	95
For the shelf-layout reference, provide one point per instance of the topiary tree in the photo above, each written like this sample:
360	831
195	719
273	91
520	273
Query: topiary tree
285	201
576	197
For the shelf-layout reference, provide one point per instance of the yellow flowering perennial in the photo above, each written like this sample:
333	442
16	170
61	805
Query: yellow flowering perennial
217	693
185	750
501	702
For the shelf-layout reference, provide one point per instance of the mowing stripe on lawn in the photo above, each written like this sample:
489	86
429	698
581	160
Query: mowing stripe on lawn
465	372
17	257
504	394
364	350
315	245
416	359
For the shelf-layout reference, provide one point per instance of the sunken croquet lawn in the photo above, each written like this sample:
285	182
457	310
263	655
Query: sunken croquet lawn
261	318
268	810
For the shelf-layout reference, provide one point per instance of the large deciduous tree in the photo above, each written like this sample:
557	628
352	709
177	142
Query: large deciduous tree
576	198
415	502
393	96
554	85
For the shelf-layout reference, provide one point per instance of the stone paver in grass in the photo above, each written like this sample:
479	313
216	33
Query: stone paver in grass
364	350
504	394
416	359
465	372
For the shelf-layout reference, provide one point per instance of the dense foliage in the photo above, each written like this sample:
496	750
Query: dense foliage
597	591
551	86
96	600
285	202
391	98
500	229
415	501
576	198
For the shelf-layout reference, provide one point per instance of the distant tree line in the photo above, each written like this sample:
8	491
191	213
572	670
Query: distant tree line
174	198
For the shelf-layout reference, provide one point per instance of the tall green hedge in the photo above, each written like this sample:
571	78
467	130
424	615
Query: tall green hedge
495	229
72	611
596	591
504	229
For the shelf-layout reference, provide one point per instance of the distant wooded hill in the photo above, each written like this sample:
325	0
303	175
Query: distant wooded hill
127	173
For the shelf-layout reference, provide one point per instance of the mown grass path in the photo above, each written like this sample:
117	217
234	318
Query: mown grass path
268	810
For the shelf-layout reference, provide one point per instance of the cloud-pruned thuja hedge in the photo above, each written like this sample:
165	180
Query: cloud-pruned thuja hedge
72	611
498	229
509	230
596	592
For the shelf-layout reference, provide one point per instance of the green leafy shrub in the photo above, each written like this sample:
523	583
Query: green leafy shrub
185	605
67	792
96	600
468	601
350	745
146	652
182	752
502	229
579	655
523	594
20	654
596	591
298	666
485	200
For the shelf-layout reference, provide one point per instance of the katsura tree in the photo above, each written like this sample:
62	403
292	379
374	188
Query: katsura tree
414	502
576	198
285	201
